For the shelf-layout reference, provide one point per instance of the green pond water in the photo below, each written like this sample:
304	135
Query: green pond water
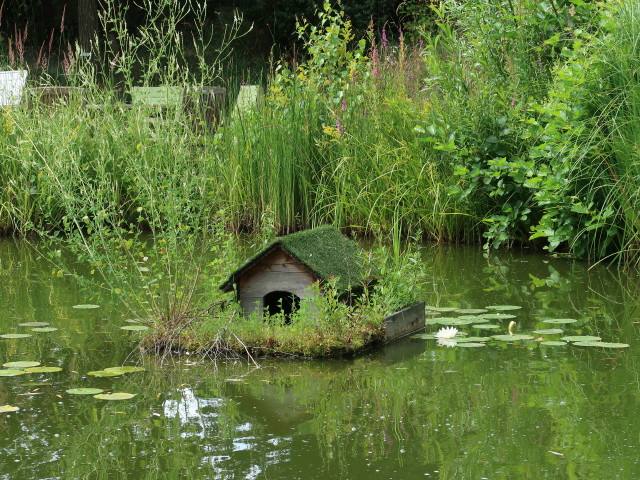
415	409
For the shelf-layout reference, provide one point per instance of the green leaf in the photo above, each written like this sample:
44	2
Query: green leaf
21	364
42	369
135	328
102	373
503	308
548	331
581	338
553	343
84	391
559	321
8	409
512	338
115	396
11	373
124	369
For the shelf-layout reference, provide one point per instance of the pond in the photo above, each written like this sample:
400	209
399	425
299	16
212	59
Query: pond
506	410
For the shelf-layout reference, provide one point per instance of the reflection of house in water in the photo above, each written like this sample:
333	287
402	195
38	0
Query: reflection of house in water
277	278
276	408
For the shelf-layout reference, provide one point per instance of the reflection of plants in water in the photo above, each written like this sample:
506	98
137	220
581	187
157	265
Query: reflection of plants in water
549	287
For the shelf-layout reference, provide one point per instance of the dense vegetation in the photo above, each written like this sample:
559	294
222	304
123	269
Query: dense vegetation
507	121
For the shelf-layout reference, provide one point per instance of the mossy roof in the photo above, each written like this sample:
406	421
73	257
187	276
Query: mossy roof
323	250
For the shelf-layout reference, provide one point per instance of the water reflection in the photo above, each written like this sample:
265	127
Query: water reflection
410	410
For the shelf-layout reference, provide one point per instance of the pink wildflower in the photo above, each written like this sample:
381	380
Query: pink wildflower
339	125
374	56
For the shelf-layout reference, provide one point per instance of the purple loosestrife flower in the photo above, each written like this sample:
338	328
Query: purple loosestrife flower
385	42
339	125
344	105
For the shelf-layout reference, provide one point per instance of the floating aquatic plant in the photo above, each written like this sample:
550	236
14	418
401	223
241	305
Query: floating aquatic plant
502	308
85	391
11	373
498	316
21	364
559	320
8	408
601	344
115	396
581	338
548	331
87	306
512	338
135	328
42	369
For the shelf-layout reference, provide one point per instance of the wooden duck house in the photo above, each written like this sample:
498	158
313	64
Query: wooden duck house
277	278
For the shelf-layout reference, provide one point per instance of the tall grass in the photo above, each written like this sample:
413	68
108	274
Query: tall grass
620	57
485	127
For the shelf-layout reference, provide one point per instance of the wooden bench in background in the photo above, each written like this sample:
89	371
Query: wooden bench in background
202	105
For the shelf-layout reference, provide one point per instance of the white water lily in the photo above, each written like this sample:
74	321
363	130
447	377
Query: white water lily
446	332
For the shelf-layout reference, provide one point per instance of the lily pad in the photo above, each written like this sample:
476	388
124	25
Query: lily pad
471	344
115	396
498	316
34	324
11	373
487	326
103	373
559	321
124	369
475	318
512	338
441	320
581	338
470	311
44	329
441	309
472	339
503	308
42	369
8	408
553	343
87	306
599	344
21	364
84	391
424	336
15	335
136	328
548	331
